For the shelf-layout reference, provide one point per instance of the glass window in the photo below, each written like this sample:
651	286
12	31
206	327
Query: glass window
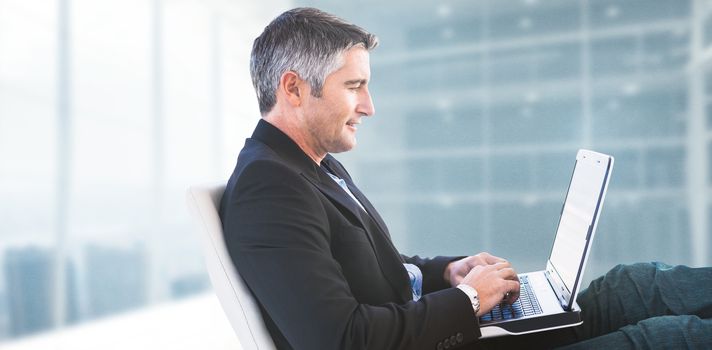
632	110
28	166
141	100
612	13
505	93
481	106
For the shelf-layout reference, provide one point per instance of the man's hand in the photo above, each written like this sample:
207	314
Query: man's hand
457	270
492	277
493	284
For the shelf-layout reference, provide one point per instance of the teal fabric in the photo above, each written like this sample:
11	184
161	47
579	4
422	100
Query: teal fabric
647	306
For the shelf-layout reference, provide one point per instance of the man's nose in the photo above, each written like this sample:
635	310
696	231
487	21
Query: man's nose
365	106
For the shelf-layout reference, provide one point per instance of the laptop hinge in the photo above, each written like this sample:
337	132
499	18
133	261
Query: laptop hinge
557	285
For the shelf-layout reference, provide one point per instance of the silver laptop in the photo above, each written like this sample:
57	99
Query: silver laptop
547	298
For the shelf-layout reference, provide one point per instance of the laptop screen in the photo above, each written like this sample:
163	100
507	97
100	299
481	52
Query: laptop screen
577	222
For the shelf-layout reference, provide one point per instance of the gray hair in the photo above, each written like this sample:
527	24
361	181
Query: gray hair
306	41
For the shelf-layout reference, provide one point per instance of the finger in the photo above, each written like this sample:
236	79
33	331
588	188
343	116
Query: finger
508	274
502	265
474	261
512	291
511	298
491	259
458	280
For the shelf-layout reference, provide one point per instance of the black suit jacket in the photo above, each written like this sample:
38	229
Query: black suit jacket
324	272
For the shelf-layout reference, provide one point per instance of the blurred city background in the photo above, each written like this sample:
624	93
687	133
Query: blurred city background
110	109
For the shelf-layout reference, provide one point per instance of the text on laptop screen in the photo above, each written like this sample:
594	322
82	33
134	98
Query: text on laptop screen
580	207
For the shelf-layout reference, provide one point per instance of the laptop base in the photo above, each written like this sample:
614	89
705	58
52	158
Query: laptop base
532	325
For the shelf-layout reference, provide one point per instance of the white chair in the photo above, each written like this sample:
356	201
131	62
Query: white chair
235	298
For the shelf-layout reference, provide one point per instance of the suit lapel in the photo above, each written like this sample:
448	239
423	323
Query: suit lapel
338	170
388	258
332	190
369	208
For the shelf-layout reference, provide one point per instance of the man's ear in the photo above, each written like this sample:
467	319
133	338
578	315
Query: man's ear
293	88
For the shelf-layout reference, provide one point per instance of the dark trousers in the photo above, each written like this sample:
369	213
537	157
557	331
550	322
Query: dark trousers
640	306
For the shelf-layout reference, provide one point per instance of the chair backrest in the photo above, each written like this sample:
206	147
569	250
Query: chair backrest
236	300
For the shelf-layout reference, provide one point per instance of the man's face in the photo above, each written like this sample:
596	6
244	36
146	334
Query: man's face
331	120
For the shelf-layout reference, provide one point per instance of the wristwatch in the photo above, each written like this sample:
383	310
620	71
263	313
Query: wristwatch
472	294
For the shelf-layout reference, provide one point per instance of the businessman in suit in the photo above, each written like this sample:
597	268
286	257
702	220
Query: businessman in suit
313	250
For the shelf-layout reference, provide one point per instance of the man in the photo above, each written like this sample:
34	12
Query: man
318	257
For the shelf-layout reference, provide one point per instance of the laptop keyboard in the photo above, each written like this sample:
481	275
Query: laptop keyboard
526	305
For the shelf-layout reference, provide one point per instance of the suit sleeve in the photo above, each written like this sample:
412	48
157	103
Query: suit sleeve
433	270
278	236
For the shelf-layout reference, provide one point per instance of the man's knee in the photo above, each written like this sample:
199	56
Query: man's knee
671	332
644	268
626	290
638	273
